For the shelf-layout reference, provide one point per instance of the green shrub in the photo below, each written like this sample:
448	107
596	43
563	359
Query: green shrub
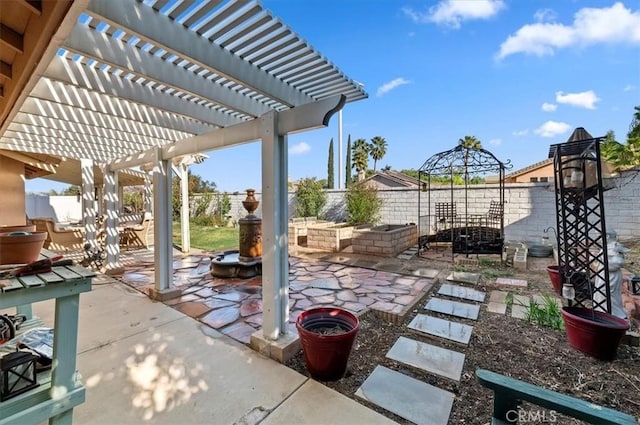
363	205
310	198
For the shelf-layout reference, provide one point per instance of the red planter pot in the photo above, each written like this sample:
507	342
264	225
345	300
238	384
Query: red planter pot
596	333
557	278
326	356
21	248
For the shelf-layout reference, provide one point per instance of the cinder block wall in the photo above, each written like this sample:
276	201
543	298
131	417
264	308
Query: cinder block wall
529	207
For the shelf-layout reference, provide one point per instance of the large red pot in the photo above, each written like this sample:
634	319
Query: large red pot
557	278
595	333
21	247
326	356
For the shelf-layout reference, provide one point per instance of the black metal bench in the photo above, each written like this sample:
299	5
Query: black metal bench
509	392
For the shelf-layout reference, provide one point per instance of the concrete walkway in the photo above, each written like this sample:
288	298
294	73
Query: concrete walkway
145	362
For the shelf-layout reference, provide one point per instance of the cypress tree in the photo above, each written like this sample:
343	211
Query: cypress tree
330	184
347	179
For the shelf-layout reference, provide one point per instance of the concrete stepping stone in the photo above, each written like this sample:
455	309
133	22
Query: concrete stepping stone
446	329
494	307
498	296
453	308
519	311
428	273
409	398
437	360
464	277
538	299
515	283
461	292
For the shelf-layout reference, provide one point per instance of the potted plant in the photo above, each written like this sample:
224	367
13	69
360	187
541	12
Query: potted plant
327	335
595	333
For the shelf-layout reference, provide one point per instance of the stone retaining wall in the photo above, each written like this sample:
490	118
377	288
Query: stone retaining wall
332	238
386	240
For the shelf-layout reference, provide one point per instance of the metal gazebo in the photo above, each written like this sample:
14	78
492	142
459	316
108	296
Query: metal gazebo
472	225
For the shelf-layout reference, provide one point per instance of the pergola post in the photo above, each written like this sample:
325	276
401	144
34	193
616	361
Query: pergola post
184	209
163	245
147	196
275	255
112	209
88	202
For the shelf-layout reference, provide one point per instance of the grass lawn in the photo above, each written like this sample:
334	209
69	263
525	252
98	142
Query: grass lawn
208	238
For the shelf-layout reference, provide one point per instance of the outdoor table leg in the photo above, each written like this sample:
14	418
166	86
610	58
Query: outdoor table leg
64	353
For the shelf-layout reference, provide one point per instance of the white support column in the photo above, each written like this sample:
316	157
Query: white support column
88	202
112	212
100	201
162	229
275	255
121	198
340	182
184	209
147	197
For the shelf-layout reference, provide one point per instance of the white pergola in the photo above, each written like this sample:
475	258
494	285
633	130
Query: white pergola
132	83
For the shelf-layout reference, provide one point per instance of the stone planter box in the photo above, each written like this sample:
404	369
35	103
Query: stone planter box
387	240
334	237
297	230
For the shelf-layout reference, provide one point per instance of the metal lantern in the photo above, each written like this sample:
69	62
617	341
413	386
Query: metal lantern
18	374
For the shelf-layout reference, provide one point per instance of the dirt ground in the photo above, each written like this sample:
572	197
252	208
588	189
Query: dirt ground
502	344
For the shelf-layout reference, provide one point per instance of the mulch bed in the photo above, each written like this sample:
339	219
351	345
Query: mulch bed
502	344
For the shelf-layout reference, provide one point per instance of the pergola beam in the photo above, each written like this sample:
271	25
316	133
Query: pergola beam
149	25
172	126
128	140
99	46
67	71
305	117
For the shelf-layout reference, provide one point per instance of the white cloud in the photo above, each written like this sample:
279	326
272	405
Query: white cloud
495	142
552	129
452	13
299	148
615	24
629	87
545	15
549	107
586	99
520	133
387	87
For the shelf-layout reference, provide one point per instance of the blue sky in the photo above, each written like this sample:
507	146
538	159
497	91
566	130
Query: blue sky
518	75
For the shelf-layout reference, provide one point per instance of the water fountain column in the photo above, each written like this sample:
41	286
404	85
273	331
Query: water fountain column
250	231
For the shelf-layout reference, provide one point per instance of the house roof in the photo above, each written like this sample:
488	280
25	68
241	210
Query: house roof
529	168
113	79
396	177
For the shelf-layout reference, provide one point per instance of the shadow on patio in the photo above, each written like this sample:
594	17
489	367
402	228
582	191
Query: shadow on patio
234	306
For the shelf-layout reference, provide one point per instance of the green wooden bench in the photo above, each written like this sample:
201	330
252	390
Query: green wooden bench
508	392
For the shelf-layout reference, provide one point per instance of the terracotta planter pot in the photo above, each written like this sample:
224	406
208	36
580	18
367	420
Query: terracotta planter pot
327	355
596	333
22	228
21	248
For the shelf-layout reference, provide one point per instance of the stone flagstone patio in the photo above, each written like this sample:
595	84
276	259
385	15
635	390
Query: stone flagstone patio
234	306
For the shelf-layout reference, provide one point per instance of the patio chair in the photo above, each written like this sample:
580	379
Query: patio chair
59	239
139	235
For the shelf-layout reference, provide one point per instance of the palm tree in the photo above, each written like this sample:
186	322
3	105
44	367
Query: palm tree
360	155
377	149
622	155
470	142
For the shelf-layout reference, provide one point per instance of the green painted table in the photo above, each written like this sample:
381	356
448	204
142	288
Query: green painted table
60	388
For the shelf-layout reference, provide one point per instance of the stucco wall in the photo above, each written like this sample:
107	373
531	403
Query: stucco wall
12	207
